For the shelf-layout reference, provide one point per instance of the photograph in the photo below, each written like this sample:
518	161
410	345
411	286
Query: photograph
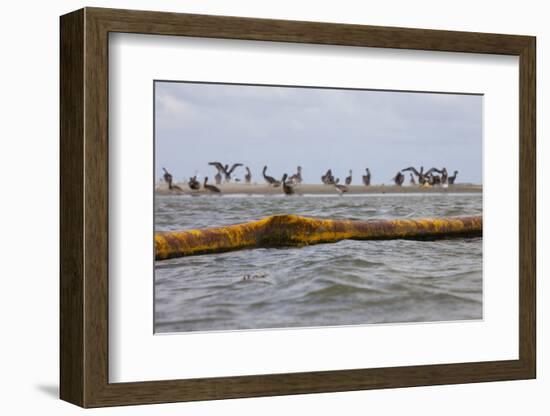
293	206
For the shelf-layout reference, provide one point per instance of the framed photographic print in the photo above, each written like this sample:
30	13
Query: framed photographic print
255	207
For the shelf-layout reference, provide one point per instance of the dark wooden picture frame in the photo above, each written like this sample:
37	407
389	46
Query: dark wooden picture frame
84	207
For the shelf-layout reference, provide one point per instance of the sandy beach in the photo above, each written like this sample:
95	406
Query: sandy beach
318	189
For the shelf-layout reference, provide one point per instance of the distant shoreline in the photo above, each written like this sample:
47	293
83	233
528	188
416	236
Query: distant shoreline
318	189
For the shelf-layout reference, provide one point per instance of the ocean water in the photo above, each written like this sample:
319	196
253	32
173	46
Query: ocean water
346	283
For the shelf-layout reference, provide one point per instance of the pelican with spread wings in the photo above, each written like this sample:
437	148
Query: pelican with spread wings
422	179
225	169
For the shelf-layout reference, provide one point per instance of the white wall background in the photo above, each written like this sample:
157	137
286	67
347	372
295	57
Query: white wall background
29	159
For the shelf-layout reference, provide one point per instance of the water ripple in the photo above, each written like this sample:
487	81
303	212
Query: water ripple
349	282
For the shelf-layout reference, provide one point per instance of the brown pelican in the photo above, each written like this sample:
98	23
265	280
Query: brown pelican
366	178
421	175
230	171
340	188
451	179
444	176
287	187
270	179
248	176
433	179
225	169
325	176
194	184
221	170
328	178
297	177
349	178
210	188
168	179
412	181
398	178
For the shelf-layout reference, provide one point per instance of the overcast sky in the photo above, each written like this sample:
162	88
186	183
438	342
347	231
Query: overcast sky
316	128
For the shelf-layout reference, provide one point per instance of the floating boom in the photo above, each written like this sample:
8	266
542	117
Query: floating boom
297	231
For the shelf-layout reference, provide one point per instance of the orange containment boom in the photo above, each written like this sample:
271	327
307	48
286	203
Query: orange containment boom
296	231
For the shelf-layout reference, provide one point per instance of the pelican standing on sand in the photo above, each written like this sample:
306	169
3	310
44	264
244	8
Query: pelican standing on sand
270	179
451	179
230	171
444	176
433	179
366	178
248	175
399	178
221	169
288	189
349	178
168	179
194	184
210	188
328	178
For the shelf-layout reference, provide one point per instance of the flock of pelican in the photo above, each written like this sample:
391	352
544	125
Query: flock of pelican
432	177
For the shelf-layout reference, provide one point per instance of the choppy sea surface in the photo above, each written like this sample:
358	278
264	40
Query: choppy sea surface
346	283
